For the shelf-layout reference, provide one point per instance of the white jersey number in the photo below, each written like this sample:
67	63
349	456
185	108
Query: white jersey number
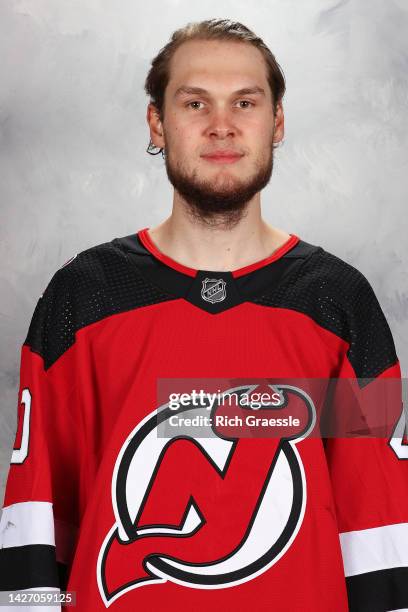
400	432
19	454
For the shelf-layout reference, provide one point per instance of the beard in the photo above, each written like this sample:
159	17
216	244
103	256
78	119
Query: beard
221	201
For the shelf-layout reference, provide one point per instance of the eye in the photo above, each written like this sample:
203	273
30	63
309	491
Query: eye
246	102
194	102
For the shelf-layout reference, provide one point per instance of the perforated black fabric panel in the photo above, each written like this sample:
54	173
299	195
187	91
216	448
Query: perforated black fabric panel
339	298
104	280
99	282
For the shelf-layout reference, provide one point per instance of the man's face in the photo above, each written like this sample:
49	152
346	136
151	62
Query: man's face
218	101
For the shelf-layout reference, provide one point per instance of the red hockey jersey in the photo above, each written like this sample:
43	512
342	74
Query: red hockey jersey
99	503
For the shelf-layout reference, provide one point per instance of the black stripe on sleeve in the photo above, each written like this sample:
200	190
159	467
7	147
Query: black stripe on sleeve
380	591
31	566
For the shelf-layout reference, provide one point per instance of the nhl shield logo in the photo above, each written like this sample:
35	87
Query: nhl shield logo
213	290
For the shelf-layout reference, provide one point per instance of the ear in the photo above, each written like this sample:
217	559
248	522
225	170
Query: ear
279	124
155	126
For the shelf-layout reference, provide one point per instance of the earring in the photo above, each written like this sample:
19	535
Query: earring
151	149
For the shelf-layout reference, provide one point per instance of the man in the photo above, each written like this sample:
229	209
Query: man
128	503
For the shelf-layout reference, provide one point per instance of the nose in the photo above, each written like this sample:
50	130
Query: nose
221	124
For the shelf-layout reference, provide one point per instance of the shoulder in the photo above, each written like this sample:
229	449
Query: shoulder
321	281
93	284
346	295
326	272
339	298
90	266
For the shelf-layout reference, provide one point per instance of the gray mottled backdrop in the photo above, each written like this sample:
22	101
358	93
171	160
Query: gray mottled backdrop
73	134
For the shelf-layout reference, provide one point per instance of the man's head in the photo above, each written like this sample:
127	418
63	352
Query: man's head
215	87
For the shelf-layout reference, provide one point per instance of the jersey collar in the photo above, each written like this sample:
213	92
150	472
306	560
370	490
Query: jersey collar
172	263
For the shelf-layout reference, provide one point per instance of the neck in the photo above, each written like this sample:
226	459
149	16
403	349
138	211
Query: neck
216	246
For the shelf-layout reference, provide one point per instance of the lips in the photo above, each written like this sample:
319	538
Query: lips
223	153
223	156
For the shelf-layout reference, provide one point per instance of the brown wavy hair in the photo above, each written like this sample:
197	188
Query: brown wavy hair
211	29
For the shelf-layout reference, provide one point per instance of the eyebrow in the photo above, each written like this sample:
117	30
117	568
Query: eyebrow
185	90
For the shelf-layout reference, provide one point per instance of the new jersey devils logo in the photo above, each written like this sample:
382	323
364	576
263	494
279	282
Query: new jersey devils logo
209	512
